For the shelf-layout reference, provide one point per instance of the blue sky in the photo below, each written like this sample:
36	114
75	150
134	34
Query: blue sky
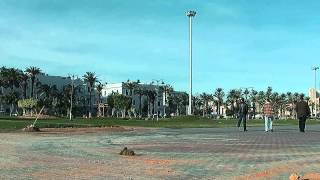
244	43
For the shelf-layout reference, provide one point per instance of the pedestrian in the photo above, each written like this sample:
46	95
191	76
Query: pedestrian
303	112
243	111
268	115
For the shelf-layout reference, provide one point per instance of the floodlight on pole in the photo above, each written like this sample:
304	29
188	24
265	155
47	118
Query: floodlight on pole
190	14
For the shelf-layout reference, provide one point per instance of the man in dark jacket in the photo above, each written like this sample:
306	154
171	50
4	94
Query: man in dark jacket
303	112
243	111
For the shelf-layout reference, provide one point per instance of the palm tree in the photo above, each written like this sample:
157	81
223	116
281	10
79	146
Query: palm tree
275	101
290	102
268	92
166	89
131	85
54	97
283	102
197	104
32	72
261	99
183	100
12	78
253	99
233	97
46	95
246	92
11	98
140	93
205	100
24	84
99	90
151	94
219	94
3	84
296	96
90	78
45	90
122	103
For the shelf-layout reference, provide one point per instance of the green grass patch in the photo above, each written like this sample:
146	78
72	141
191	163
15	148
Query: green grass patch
14	123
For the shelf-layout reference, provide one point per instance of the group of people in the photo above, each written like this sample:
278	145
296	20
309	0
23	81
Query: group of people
301	107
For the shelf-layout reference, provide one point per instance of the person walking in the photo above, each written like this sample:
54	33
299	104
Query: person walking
268	116
243	111
303	112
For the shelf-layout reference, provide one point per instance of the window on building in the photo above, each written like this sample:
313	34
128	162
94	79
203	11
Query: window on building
159	103
134	102
126	92
117	91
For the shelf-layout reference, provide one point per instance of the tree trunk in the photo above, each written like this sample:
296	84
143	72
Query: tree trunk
90	103
11	109
32	86
140	111
129	112
123	112
112	111
134	113
203	111
25	90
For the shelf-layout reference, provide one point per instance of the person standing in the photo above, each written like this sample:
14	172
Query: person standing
303	112
268	116
243	111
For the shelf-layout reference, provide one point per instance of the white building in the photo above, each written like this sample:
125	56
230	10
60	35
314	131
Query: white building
155	107
314	100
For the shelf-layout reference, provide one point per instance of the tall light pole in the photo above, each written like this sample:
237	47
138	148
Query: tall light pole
71	96
190	14
315	68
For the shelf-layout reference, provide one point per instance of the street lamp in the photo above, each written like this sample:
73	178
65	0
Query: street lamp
315	68
190	14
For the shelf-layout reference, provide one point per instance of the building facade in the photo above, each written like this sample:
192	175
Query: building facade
155	104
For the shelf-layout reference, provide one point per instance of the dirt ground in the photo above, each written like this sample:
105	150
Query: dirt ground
197	153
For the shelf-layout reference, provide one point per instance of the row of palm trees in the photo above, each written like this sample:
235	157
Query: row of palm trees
281	101
12	78
17	82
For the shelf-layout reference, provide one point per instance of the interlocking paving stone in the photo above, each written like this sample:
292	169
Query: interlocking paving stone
195	153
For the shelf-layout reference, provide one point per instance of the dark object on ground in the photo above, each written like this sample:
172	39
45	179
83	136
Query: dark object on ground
31	128
127	152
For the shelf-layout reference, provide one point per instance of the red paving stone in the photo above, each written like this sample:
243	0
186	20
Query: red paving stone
163	154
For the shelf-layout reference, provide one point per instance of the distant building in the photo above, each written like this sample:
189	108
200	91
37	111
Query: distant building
314	95
159	101
314	100
80	88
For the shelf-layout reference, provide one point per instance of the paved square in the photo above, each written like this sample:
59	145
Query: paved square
198	153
